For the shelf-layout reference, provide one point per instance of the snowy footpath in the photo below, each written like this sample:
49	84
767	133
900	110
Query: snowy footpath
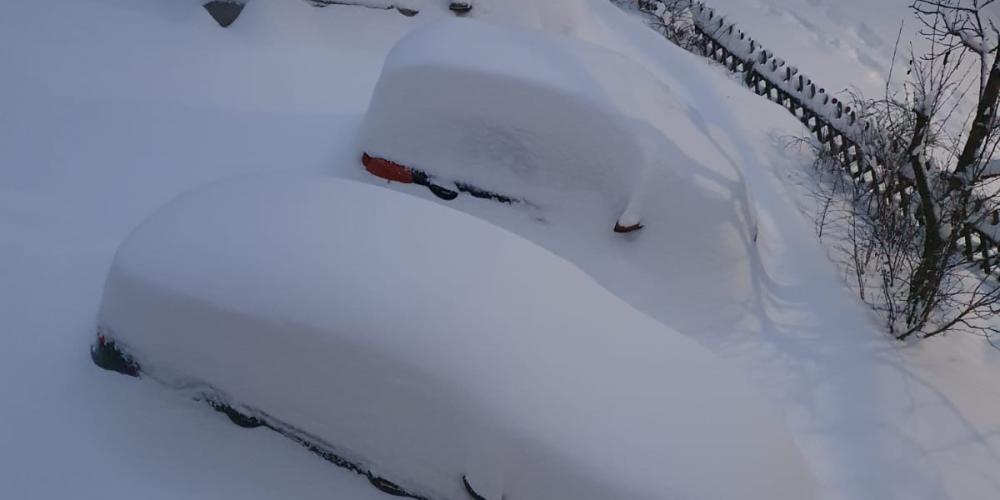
110	108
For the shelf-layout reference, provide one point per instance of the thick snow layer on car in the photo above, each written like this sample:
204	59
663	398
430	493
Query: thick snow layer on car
534	116
426	345
112	107
697	251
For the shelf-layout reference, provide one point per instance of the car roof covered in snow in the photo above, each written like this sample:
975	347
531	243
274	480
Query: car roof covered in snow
514	111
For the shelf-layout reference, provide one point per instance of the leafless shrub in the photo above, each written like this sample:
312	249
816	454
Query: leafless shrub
920	247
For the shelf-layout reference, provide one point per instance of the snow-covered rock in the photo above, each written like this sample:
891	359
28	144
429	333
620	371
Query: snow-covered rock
538	117
426	345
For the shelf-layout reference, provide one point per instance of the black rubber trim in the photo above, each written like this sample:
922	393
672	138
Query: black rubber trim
349	3
460	7
627	229
482	193
468	489
422	179
312	444
387	487
245	421
442	192
107	355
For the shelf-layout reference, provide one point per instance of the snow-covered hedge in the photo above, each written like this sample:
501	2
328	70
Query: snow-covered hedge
425	346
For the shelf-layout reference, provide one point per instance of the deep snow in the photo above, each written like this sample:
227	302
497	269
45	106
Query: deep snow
427	345
554	121
841	44
112	107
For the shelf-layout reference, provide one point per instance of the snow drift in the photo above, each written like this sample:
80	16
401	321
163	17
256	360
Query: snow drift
427	346
533	116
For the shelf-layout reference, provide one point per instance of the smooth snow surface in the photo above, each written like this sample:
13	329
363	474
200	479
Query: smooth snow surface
428	345
109	108
586	137
540	117
841	44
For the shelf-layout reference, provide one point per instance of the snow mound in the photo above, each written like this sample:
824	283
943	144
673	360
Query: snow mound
426	346
532	116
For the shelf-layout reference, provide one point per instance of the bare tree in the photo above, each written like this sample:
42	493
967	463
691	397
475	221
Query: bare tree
922	234
873	233
912	236
953	198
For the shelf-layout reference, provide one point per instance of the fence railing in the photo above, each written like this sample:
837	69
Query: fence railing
832	122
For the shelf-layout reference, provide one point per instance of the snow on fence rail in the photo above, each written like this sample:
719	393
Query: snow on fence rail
832	122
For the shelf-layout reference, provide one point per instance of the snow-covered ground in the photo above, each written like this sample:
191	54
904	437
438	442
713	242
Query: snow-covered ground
840	44
112	107
109	109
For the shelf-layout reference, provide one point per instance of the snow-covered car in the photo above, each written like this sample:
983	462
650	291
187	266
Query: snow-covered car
439	355
515	114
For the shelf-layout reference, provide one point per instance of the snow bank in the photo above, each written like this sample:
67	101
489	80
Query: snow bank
426	345
527	114
845	44
777	72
